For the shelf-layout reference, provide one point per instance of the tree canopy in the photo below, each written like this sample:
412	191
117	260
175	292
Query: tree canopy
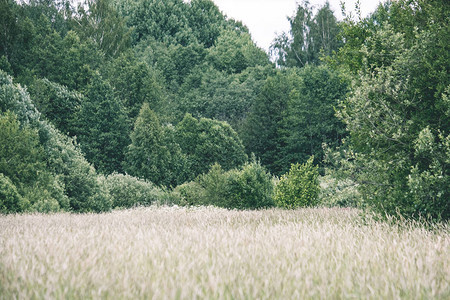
127	96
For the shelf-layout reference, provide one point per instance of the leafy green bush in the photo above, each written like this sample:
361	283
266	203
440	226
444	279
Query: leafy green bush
247	188
388	188
127	191
189	193
43	202
47	195
215	186
250	187
10	199
299	187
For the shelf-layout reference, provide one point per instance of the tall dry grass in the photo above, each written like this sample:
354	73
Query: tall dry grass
166	253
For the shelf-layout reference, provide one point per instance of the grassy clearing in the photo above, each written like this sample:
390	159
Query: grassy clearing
162	252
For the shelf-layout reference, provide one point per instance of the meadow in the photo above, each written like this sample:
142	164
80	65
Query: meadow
206	252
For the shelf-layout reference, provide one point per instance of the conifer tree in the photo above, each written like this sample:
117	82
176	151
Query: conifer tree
104	128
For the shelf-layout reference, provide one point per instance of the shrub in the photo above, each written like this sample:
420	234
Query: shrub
251	187
44	202
299	187
10	199
127	191
247	188
189	193
46	195
215	185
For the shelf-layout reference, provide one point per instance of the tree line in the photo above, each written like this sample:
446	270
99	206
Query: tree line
166	99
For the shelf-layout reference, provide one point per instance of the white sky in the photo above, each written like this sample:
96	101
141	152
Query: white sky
267	18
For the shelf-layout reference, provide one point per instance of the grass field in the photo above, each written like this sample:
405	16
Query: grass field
170	252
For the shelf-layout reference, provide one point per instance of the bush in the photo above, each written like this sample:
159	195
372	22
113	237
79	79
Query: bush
46	195
247	188
44	203
127	191
392	189
10	200
251	187
299	187
23	162
215	188
189	193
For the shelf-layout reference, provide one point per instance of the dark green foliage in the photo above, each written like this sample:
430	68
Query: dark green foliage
153	154
21	155
67	60
235	51
205	21
174	21
174	62
5	65
181	61
103	127
10	199
310	119
36	41
8	36
127	191
60	163
293	116
262	132
299	187
163	20
80	179
22	161
57	104
207	142
75	64
16	34
134	83
210	93
189	194
249	187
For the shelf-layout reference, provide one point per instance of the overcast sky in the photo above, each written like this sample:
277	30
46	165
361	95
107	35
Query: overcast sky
266	18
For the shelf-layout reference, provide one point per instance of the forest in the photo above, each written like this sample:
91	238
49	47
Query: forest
123	103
